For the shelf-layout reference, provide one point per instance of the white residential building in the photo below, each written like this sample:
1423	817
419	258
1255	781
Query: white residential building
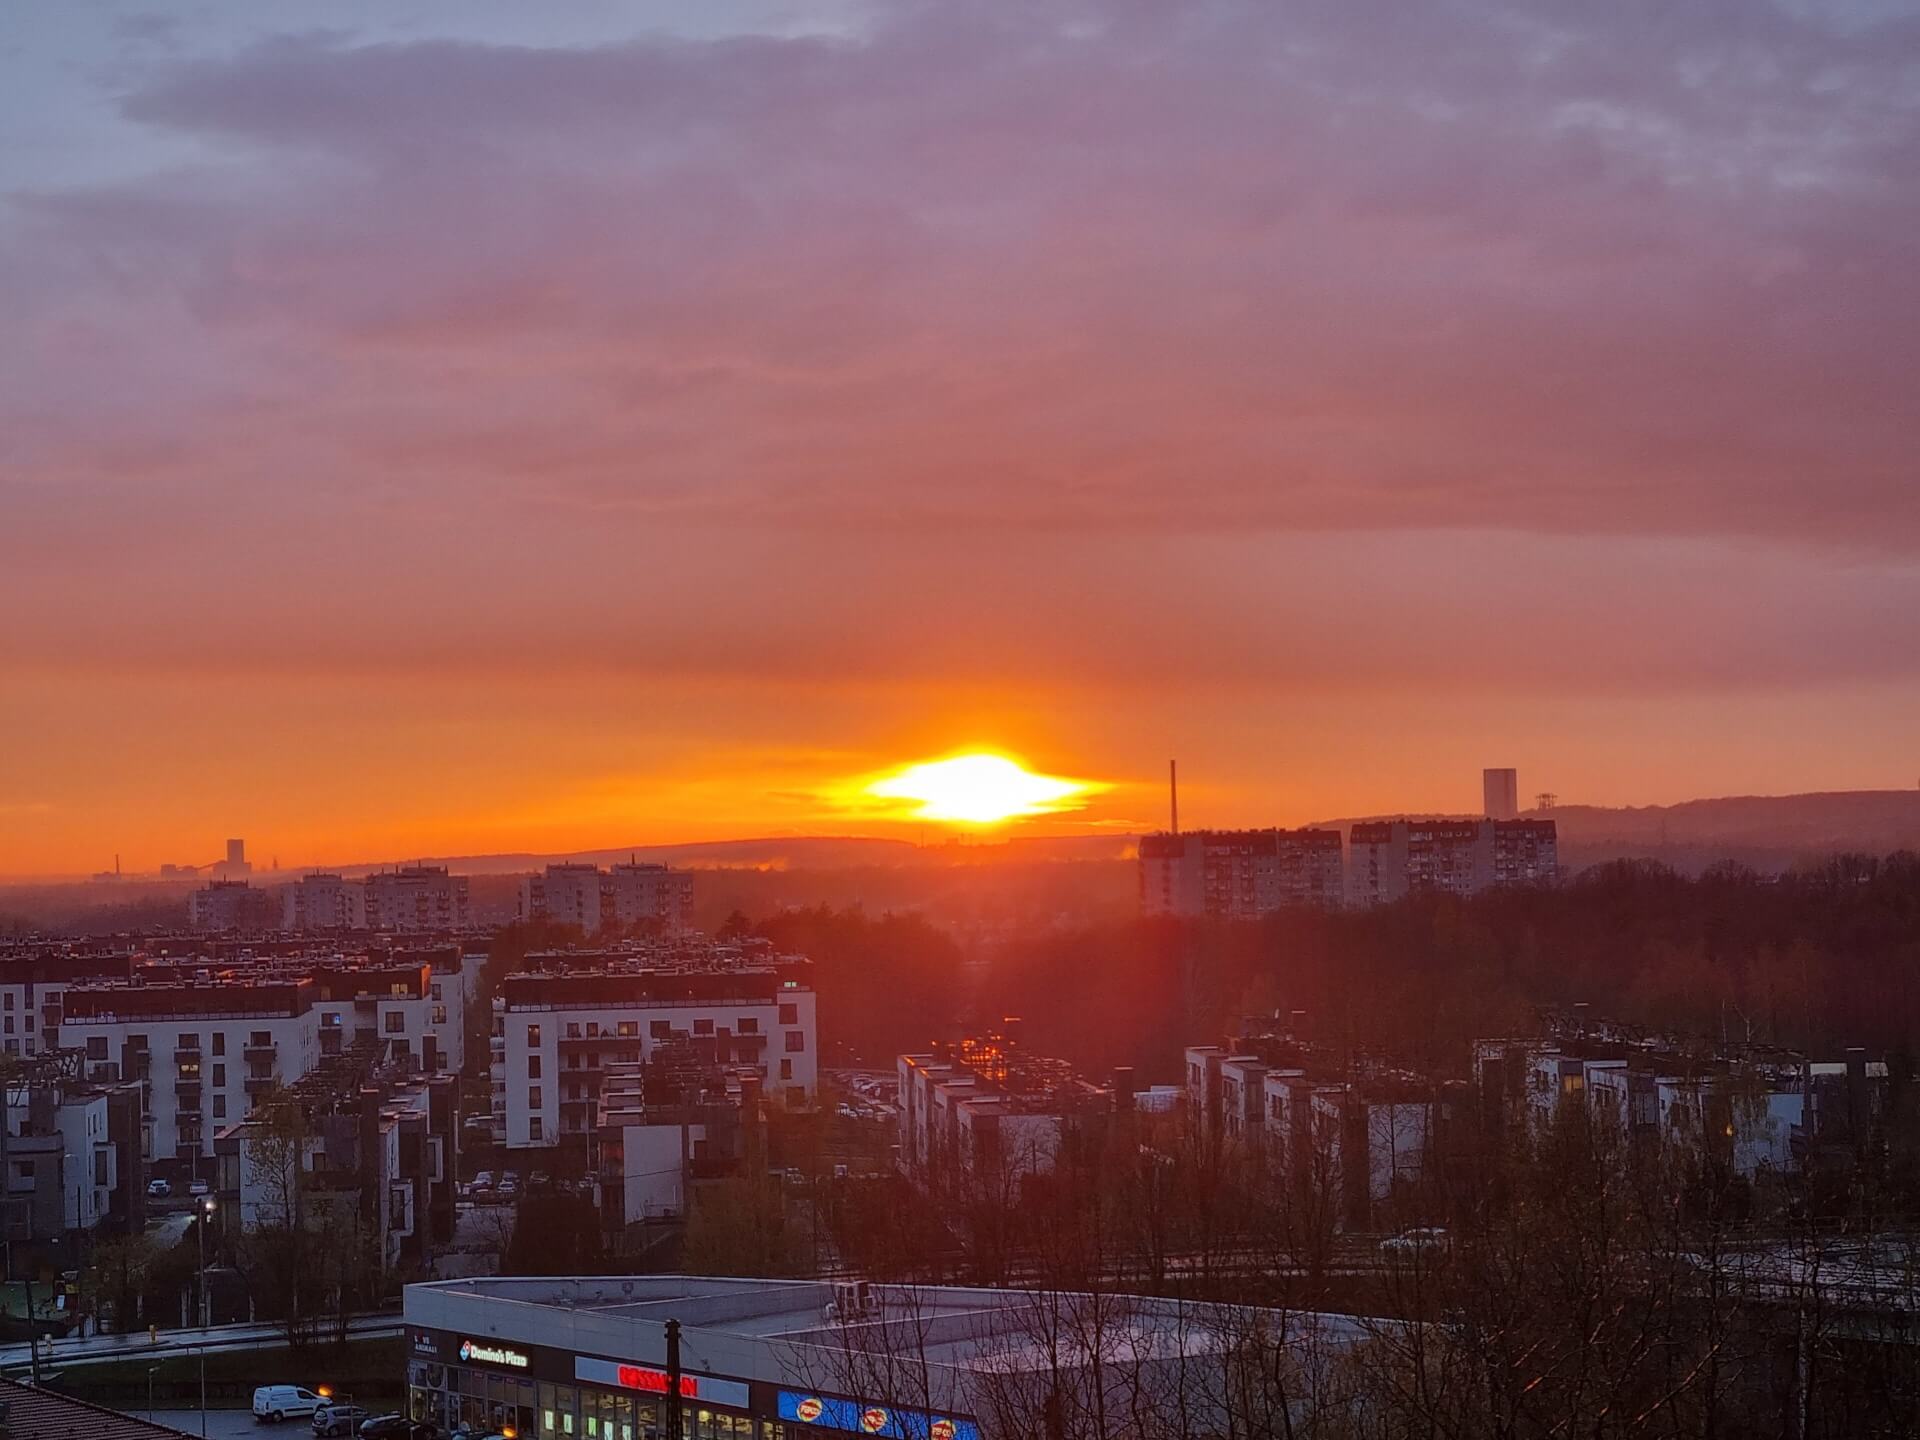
560	1025
208	1049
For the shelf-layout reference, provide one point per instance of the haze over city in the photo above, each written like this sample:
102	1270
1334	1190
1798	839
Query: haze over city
474	427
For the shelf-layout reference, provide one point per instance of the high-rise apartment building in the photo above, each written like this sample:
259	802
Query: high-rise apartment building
323	902
652	896
232	905
1388	859
1238	874
1500	793
415	898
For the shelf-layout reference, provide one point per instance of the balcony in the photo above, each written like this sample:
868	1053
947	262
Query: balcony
259	1084
184	1054
187	1089
257	1050
582	1043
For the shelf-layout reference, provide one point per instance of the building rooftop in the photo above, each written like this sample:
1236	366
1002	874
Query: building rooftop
31	1413
781	1330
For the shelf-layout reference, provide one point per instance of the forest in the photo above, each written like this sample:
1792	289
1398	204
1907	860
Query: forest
1821	958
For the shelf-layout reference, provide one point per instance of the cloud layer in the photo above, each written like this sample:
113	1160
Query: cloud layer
967	338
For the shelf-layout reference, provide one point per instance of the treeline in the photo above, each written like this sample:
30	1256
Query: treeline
1589	1283
1822	958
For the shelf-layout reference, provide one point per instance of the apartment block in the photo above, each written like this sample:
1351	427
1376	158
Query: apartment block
381	1146
1390	859
323	902
206	1050
986	1112
653	897
560	1025
232	905
668	1126
1239	874
416	898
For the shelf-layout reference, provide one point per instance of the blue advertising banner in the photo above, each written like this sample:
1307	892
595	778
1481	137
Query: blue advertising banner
863	1418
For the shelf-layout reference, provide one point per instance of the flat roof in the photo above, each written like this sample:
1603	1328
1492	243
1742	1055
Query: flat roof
778	1331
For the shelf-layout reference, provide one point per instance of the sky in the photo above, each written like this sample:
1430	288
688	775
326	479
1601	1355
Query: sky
433	428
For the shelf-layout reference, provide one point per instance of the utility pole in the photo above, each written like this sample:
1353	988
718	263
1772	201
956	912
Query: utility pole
673	1380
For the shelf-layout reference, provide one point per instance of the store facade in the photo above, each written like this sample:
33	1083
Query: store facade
487	1385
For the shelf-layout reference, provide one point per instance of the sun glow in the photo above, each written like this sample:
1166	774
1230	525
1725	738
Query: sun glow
980	789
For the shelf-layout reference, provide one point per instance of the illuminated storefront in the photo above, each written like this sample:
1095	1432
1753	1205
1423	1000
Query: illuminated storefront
486	1386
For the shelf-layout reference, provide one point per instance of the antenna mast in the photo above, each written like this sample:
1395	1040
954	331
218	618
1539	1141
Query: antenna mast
1173	791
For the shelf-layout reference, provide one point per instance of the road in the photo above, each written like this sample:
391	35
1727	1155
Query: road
225	1424
93	1348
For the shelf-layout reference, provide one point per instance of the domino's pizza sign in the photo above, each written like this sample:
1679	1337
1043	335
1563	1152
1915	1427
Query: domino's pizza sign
478	1352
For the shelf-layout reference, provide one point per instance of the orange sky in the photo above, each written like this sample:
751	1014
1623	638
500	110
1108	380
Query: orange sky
475	429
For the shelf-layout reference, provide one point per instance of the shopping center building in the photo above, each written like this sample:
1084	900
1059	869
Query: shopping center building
588	1358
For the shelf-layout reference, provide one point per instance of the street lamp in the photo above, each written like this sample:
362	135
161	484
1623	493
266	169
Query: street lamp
207	1208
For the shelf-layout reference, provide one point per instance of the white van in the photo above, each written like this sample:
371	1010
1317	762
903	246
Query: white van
277	1402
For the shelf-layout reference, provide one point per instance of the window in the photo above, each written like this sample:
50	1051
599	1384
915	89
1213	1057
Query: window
9	1024
13	1047
219	1107
748	1026
533	1037
533	1067
789	1014
534	1128
23	1169
219	1042
533	1097
573	1030
436	989
439	1013
9	998
703	1027
796	1041
593	1029
629	1027
188	1040
219	1075
396	1022
786	1069
660	1029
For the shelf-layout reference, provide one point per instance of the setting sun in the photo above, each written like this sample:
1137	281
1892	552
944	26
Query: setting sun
978	790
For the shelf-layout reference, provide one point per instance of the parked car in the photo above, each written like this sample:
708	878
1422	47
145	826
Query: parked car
538	1181
387	1427
277	1402
333	1419
483	1182
158	1189
1422	1240
199	1188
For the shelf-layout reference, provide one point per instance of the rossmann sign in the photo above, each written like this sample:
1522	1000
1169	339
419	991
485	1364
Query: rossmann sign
651	1380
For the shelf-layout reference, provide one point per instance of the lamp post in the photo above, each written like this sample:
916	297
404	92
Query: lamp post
207	1208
